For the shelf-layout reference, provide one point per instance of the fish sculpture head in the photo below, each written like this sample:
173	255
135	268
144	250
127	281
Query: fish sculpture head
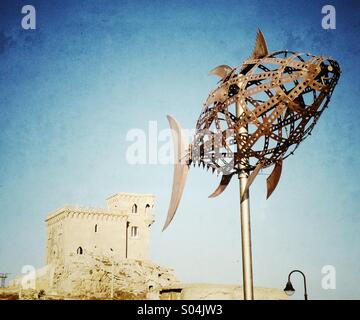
256	117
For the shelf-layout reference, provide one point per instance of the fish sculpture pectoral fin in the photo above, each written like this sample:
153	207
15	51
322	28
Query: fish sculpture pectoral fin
225	180
273	180
221	71
181	168
251	179
260	49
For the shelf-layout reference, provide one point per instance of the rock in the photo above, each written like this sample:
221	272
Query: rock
94	276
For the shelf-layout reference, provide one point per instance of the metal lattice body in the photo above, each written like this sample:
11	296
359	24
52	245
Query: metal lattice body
281	96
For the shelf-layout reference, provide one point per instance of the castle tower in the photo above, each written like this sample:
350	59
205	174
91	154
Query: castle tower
122	230
139	219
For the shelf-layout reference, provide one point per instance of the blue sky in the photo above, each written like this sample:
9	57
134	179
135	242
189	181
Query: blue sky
92	71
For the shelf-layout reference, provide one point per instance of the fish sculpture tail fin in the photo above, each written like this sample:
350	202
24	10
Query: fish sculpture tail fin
181	168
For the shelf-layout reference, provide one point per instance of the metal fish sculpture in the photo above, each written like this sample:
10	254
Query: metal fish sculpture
255	118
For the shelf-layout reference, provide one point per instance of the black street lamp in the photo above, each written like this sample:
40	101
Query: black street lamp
289	289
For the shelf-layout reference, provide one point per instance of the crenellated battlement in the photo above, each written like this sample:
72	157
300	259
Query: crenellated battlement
142	203
69	211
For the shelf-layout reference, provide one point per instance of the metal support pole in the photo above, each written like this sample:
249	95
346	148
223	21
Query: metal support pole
245	222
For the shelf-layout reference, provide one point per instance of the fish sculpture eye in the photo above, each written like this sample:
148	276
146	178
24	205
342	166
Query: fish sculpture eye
233	90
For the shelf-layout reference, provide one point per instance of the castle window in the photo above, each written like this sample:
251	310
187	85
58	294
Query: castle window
147	208
134	232
134	208
79	250
96	228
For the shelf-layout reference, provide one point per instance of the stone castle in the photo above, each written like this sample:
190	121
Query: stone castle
99	252
121	231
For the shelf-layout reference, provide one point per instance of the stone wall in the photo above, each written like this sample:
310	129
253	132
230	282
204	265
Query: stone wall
204	291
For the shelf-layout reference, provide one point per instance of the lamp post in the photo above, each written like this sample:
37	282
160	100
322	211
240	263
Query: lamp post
289	289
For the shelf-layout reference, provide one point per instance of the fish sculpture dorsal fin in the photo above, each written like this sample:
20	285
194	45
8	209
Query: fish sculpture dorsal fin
260	49
221	71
